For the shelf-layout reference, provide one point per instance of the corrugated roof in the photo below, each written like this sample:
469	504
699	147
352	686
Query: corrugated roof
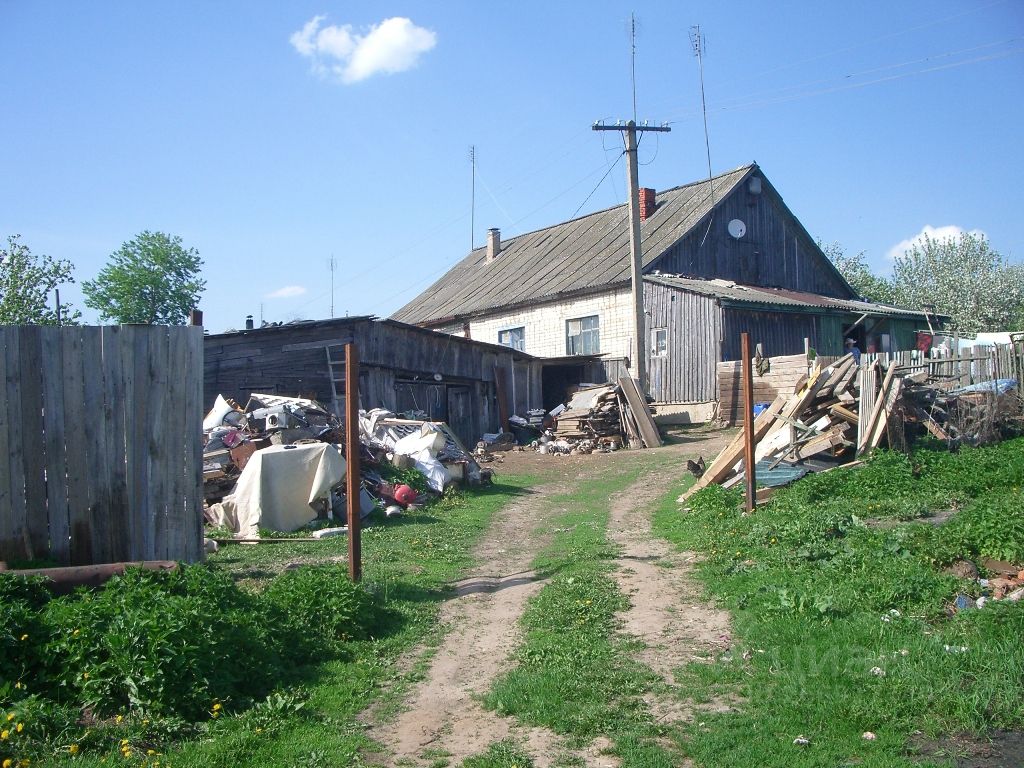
731	293
587	253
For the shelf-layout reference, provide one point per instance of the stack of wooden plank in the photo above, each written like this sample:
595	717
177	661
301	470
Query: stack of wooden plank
778	376
820	418
611	411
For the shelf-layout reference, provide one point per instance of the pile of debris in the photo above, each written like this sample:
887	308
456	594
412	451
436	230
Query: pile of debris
843	411
233	434
279	462
602	417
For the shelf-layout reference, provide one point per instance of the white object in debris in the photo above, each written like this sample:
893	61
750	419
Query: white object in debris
868	736
324	533
215	418
393	511
210	546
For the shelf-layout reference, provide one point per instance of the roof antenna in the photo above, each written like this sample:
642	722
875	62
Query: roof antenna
697	40
472	204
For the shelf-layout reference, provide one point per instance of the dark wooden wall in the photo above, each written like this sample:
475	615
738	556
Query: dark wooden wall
776	251
397	367
781	333
687	373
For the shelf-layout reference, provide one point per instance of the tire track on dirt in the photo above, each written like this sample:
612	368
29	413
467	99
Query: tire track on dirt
444	713
667	613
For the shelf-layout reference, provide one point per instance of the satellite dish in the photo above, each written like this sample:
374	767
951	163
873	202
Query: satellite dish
737	228
438	377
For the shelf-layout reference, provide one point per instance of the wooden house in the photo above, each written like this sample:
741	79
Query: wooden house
720	256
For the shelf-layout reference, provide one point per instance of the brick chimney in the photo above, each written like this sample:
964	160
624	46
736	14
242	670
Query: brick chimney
647	202
493	244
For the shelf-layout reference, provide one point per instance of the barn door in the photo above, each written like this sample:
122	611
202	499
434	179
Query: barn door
460	415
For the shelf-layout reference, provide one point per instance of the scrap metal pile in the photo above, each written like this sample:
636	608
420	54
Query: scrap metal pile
279	462
843	411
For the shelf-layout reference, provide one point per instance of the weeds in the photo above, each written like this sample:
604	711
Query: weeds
841	626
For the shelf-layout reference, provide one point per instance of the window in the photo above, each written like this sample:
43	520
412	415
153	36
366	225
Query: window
583	336
513	337
659	342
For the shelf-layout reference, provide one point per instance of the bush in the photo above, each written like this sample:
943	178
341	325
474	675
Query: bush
317	608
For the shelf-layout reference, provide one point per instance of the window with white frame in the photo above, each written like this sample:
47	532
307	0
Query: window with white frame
659	342
583	335
513	337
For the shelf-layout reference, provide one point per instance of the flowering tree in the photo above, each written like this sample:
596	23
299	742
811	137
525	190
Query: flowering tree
965	279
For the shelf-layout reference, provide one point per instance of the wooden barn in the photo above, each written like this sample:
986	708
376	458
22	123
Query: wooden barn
470	384
720	256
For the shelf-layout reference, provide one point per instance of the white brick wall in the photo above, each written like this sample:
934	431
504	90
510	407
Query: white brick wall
545	324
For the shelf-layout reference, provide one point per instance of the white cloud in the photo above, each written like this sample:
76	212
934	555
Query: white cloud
393	45
286	292
934	233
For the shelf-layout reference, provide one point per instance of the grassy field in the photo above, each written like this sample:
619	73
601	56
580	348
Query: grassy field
839	601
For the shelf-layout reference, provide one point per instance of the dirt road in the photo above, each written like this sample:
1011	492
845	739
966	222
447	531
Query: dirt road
443	715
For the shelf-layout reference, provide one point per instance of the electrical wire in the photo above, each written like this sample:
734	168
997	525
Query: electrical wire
597	186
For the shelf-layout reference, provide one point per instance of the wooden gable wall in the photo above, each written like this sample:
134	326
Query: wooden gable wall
776	251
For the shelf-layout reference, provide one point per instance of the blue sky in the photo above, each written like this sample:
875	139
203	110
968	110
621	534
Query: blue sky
273	136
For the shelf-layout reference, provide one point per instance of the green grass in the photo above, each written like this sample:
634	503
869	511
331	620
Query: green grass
821	597
573	673
408	563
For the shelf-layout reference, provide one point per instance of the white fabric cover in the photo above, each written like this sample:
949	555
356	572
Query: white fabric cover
278	485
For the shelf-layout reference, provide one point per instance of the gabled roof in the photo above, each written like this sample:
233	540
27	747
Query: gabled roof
732	294
584	254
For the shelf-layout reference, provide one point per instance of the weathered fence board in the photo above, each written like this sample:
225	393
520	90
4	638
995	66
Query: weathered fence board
100	444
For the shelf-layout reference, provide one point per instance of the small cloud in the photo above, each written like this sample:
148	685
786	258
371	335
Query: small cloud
933	233
393	45
286	293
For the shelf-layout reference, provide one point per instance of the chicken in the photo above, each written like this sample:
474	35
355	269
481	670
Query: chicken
696	467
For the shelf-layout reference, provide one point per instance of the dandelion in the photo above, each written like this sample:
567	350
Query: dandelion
124	743
145	721
5	734
73	749
8	763
19	727
24	638
10	716
119	718
85	675
217	707
76	633
150	751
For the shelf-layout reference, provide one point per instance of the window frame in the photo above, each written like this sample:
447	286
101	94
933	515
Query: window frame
522	337
587	336
655	352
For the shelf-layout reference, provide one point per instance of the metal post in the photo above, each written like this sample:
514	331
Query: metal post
748	423
352	484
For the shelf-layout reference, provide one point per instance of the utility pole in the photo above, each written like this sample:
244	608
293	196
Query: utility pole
630	130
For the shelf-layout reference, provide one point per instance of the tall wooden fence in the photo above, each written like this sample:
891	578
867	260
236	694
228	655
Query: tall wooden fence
101	443
970	365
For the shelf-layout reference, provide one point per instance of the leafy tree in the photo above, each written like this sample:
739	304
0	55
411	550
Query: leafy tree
151	279
965	279
859	275
26	283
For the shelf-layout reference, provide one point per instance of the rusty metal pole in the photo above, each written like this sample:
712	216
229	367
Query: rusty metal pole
748	423
352	485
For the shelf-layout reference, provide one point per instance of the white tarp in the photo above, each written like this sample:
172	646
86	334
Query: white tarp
278	485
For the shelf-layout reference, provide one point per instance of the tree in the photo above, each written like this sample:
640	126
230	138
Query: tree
26	285
965	279
151	279
859	275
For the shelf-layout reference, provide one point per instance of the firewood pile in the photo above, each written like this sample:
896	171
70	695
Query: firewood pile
609	413
843	411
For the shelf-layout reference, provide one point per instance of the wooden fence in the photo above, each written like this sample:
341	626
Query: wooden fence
971	365
101	444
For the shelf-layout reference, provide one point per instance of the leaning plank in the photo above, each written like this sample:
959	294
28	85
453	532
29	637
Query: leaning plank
868	383
845	414
891	396
720	468
823	442
642	414
932	425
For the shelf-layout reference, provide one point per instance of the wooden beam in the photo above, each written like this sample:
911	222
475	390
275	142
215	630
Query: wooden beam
353	485
749	464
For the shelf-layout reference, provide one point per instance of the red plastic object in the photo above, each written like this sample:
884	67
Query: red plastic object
405	495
